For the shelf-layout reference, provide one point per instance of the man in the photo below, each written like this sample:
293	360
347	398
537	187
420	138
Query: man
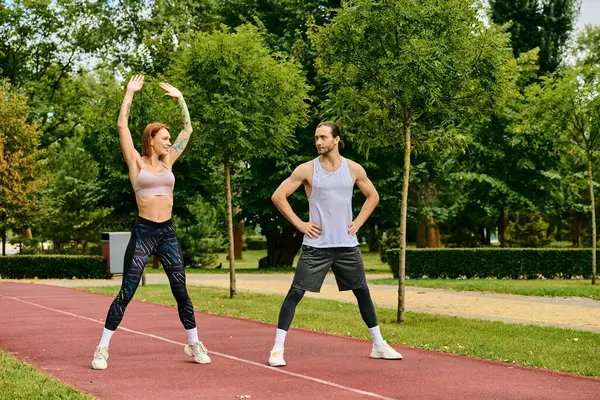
329	236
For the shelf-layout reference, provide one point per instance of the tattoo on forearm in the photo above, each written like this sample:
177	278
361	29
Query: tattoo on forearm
127	109
185	115
180	144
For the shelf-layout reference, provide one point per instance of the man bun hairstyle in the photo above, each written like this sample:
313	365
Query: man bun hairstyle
335	131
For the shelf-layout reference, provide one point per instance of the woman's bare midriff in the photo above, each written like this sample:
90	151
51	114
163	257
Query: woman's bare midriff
155	208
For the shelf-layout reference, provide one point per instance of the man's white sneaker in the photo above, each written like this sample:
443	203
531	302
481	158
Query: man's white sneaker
100	358
276	357
198	351
385	351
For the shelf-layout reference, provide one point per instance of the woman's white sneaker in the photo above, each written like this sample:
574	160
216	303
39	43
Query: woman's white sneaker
198	351
385	351
276	357
100	358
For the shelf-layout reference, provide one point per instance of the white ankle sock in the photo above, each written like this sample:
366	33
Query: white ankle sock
106	335
376	335
280	338
192	335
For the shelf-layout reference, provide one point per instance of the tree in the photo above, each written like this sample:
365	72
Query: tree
245	101
285	25
546	24
42	46
588	46
393	65
504	169
19	165
567	104
68	214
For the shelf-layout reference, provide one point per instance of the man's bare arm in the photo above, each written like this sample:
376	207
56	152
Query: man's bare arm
372	198
286	189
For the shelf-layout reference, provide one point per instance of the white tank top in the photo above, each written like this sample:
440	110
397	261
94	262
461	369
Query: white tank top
330	206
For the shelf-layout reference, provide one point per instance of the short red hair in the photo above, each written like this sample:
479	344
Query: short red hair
149	133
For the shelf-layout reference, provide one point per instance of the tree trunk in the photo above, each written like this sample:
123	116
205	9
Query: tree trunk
232	288
503	225
591	182
3	240
154	262
577	232
282	247
373	237
482	234
403	212
433	234
238	240
488	235
421	230
238	235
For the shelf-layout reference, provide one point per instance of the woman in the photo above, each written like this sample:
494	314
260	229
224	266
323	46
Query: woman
153	233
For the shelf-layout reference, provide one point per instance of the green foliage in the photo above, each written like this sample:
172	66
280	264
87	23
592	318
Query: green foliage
256	242
505	168
199	234
493	263
68	215
567	105
19	159
53	267
245	101
20	381
546	24
394	63
43	45
390	241
528	230
588	46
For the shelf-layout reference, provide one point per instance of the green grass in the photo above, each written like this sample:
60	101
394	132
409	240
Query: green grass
534	287
553	348
249	265
19	380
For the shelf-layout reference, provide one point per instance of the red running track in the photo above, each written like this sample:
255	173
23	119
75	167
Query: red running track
56	329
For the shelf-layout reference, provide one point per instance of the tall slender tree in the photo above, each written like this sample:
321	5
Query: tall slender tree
246	101
393	65
20	164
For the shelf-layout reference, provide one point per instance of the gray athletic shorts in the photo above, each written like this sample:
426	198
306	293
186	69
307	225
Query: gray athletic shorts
314	263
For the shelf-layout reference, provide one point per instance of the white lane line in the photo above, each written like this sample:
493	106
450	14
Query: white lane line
274	369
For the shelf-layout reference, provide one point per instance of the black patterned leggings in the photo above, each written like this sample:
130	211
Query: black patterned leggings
152	238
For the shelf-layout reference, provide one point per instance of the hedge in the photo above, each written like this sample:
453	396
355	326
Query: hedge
493	263
256	242
53	266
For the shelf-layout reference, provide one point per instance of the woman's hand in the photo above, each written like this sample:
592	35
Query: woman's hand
135	83
171	91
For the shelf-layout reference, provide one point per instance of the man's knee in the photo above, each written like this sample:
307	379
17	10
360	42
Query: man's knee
295	294
361	292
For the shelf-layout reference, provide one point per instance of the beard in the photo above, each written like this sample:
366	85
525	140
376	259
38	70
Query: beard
325	150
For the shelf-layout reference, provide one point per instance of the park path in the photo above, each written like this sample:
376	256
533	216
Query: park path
575	312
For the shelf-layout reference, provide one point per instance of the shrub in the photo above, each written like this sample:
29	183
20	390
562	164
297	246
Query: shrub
496	263
528	230
53	267
391	240
256	242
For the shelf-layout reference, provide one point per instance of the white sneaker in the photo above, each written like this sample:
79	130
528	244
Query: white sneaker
198	351
385	351
276	357
100	358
